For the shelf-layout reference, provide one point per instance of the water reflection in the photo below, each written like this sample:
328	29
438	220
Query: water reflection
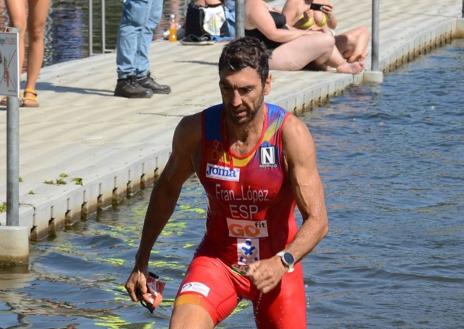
64	38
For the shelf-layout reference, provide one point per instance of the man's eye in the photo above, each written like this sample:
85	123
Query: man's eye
244	91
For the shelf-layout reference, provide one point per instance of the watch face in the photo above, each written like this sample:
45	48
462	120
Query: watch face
288	258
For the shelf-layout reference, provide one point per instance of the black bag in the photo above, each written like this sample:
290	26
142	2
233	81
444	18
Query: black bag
195	31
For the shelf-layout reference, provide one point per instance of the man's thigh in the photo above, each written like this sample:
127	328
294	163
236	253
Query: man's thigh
285	306
190	316
207	285
136	13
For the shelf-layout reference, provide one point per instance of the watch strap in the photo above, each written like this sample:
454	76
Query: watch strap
290	266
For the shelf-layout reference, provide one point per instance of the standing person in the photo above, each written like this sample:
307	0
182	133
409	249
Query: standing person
29	16
230	16
139	20
256	162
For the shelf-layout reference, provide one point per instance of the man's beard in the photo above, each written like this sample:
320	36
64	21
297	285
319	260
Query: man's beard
252	114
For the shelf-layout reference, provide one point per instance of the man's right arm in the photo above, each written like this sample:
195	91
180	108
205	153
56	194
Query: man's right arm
164	196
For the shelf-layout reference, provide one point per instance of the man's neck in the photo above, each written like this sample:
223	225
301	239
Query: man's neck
243	138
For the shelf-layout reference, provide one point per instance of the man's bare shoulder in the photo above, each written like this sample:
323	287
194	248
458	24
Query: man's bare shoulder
296	137
188	131
293	127
190	123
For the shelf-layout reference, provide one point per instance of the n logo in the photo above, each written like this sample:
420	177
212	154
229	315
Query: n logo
267	156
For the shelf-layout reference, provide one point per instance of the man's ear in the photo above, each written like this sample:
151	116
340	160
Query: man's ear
268	84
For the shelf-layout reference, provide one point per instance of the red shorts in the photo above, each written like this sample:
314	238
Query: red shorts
216	287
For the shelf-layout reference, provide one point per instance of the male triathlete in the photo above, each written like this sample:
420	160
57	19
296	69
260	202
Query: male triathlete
256	162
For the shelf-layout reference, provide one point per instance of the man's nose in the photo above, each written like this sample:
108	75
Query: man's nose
236	99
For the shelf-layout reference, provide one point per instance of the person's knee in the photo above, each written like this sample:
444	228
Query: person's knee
352	39
329	39
20	25
36	32
327	42
363	30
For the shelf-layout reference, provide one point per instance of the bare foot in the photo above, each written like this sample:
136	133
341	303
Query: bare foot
351	68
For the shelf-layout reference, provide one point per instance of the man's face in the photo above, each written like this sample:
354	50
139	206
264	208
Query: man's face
242	94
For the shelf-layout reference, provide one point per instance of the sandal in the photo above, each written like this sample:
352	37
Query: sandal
30	98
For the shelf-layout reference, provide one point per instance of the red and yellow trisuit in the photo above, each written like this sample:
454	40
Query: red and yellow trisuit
250	217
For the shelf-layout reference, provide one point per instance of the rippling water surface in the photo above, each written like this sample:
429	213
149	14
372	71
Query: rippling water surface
392	160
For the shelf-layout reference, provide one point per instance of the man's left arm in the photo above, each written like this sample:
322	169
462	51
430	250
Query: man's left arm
300	153
307	187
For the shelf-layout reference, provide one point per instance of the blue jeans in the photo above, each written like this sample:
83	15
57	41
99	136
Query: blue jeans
138	21
230	16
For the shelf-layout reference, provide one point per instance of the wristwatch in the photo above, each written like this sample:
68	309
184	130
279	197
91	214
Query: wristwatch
287	259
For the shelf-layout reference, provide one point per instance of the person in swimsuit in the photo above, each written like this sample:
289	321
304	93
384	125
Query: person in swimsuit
294	49
352	44
256	162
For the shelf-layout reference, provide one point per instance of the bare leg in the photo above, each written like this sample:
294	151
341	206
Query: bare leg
346	48
190	316
38	12
353	44
360	50
336	60
296	54
17	14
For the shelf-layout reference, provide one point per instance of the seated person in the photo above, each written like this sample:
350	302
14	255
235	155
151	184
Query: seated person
351	44
293	49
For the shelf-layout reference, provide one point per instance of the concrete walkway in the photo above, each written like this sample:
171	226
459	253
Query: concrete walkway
102	146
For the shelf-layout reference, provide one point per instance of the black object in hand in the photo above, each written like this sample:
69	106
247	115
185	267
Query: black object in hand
316	6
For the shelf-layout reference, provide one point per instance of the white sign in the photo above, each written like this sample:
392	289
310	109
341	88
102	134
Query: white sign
9	67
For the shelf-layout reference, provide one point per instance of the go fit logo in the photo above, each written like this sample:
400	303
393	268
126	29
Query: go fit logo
239	228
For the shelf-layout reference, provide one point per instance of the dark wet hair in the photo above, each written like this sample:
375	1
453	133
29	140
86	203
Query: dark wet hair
245	52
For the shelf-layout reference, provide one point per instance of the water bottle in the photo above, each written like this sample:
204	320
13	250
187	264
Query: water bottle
172	28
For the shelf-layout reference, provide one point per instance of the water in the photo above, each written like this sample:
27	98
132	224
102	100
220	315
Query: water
391	157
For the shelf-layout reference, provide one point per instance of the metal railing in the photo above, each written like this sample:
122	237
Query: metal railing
12	160
12	77
239	19
375	46
103	27
90	27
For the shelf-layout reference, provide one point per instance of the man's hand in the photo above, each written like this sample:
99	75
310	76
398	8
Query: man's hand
136	284
267	273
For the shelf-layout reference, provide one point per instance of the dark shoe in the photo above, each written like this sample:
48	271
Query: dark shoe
192	40
149	82
131	88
